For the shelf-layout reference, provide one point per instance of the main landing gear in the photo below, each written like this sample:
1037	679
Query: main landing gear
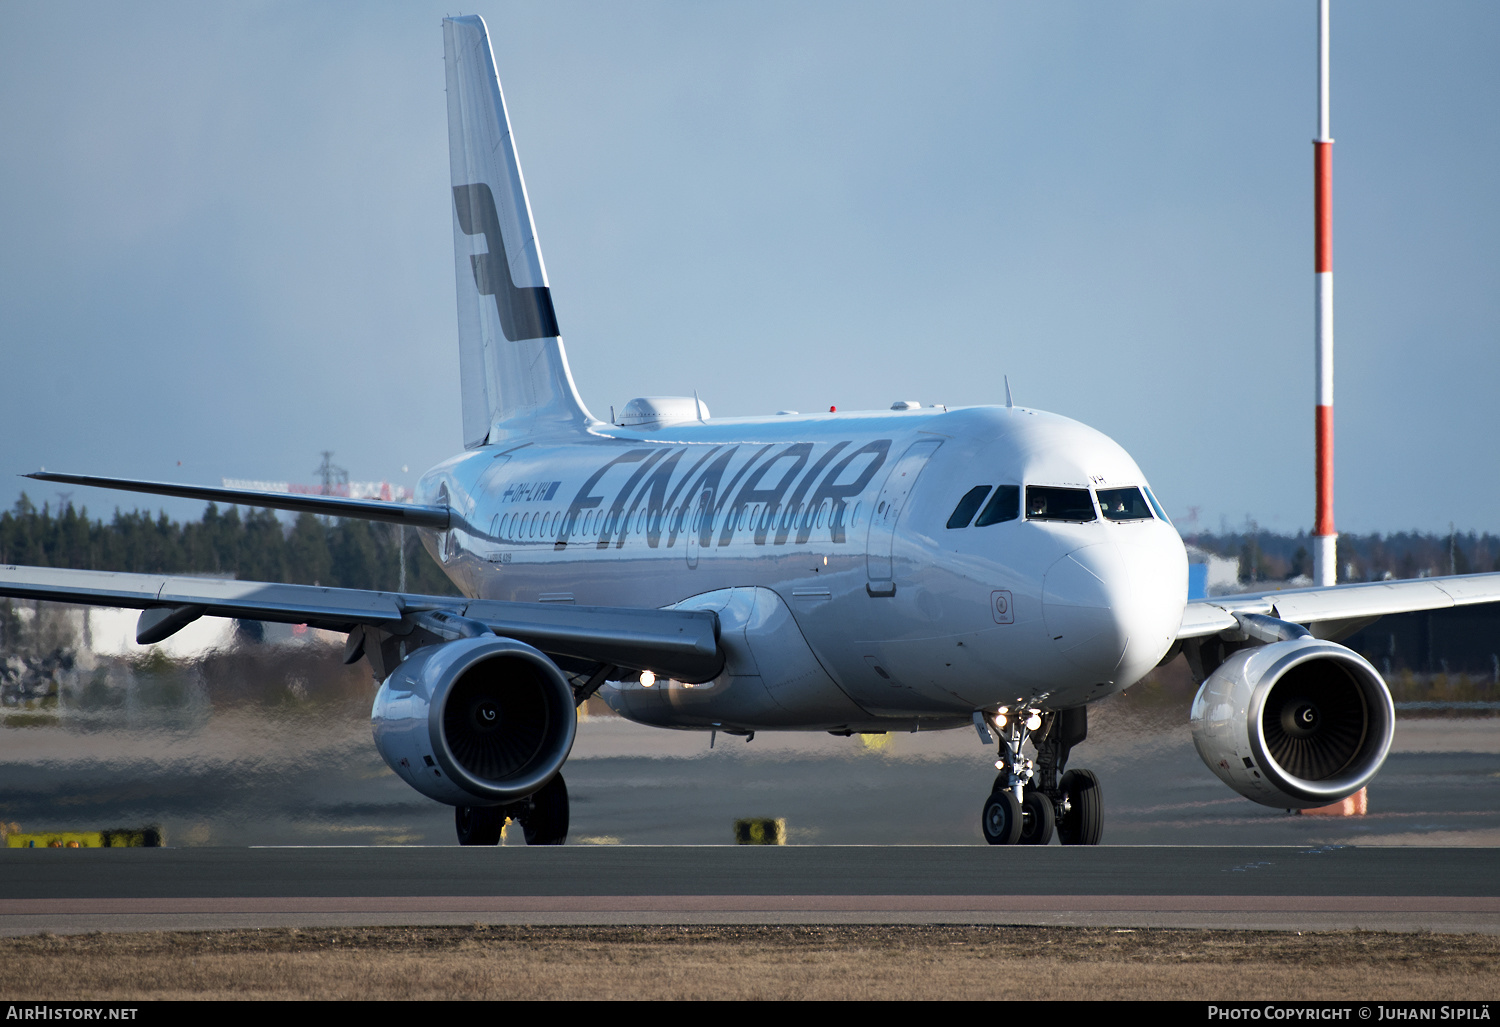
1029	801
543	817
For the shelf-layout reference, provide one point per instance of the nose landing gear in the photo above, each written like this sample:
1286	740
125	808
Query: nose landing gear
1002	818
1028	801
1038	817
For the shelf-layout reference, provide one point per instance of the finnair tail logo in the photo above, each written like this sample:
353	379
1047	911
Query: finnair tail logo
524	313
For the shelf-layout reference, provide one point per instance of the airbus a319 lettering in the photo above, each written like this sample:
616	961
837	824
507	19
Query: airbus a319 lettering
988	568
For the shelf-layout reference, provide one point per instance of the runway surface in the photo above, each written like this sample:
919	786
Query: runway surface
1283	888
224	757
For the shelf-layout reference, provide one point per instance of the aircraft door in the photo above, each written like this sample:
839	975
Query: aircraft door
888	507
700	526
486	497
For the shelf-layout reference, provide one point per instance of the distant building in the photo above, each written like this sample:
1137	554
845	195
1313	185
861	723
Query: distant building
1210	574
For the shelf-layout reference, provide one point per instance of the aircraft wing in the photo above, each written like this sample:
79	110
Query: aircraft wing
678	643
330	506
1364	601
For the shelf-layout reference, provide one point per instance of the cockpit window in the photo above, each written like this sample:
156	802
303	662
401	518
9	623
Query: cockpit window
1124	504
963	513
1044	503
1151	498
1004	505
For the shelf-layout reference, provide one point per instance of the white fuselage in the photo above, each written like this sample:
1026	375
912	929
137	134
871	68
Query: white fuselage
845	601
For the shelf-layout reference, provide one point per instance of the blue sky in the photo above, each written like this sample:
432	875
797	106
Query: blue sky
226	243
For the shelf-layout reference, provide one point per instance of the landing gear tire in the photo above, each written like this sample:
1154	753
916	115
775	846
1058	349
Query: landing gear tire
1001	820
479	825
546	823
1037	819
1083	823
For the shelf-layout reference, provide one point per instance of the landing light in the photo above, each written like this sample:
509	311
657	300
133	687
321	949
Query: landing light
647	679
1034	721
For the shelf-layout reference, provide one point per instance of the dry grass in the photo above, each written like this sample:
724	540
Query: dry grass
804	962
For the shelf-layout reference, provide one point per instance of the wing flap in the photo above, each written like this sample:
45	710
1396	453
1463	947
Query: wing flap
1200	619
682	644
1367	599
338	609
678	643
1374	599
1469	589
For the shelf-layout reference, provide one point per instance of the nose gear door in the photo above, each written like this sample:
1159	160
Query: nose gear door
888	507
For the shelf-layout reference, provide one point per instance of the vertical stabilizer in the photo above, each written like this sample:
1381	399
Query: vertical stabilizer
514	370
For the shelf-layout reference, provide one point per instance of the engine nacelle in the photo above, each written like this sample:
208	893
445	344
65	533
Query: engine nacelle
475	721
1295	724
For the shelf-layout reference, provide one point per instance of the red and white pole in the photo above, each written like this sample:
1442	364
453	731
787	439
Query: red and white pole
1325	539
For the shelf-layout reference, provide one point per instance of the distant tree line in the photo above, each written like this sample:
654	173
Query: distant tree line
254	546
1264	556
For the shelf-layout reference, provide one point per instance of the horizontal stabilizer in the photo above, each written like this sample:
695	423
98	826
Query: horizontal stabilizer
331	506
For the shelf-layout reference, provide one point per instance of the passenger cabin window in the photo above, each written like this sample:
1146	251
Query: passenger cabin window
1124	504
963	513
1044	503
1004	505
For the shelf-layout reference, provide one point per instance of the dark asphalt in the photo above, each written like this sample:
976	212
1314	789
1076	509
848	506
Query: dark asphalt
746	870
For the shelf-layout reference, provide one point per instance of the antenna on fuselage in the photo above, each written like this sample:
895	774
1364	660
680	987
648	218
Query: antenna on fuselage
1009	403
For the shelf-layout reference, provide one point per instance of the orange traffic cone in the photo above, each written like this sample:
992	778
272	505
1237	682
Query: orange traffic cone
1356	805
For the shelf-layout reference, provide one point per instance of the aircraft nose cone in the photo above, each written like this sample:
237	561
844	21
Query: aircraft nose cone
1082	596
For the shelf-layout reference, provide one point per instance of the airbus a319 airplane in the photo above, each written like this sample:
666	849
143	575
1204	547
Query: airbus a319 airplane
990	568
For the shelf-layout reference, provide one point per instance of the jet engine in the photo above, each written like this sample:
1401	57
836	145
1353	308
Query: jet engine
475	721
1296	724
